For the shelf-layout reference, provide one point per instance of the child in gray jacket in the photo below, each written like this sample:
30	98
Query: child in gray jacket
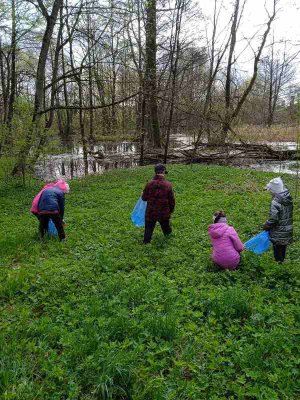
280	222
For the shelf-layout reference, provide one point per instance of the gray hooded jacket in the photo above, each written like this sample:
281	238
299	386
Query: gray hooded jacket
280	221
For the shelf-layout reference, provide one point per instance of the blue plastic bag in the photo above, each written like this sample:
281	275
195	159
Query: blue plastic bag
259	243
52	231
138	213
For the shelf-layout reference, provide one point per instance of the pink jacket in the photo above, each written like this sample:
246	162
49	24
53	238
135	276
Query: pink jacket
60	184
227	246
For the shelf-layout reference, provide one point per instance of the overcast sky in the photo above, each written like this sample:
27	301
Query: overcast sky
285	27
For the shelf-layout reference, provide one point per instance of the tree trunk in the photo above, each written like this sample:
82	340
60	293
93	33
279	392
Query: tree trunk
68	124
82	130
113	49
271	84
174	64
54	74
249	87
101	94
3	84
40	75
13	69
91	112
150	75
226	122
39	86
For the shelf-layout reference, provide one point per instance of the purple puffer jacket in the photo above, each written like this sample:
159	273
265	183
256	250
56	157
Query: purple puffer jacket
227	246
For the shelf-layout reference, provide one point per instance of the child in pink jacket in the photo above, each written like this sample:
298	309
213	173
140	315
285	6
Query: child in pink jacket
227	245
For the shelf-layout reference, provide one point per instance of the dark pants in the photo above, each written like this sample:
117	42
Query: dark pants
279	252
150	225
56	218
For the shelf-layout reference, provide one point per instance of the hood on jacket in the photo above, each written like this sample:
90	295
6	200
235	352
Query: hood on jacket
217	230
275	185
62	185
284	198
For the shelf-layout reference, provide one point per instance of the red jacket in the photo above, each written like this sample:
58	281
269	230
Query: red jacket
160	199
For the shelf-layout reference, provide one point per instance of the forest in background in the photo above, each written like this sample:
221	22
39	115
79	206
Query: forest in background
139	69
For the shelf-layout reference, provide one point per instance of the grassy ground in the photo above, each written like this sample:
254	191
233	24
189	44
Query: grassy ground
103	317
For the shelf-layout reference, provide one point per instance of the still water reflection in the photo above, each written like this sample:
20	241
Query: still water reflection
72	165
109	155
101	157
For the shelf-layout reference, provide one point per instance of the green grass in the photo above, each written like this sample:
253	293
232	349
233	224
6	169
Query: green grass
103	317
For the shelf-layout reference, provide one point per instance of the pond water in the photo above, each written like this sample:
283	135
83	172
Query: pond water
280	167
282	145
103	156
109	155
284	167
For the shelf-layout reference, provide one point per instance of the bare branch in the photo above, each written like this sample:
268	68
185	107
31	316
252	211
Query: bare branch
88	108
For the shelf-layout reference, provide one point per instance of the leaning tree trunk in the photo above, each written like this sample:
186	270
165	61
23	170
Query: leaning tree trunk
54	76
257	57
39	85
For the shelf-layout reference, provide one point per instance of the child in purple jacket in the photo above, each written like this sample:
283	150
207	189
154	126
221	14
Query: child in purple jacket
227	245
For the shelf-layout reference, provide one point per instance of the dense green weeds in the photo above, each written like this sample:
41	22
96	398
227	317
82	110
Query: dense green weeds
103	317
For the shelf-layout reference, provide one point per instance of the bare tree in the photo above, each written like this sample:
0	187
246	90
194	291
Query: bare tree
216	56
232	114
277	71
236	16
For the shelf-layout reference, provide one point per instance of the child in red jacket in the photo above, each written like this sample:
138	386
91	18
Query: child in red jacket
160	203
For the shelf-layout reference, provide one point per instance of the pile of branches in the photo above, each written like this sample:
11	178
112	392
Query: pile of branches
233	151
